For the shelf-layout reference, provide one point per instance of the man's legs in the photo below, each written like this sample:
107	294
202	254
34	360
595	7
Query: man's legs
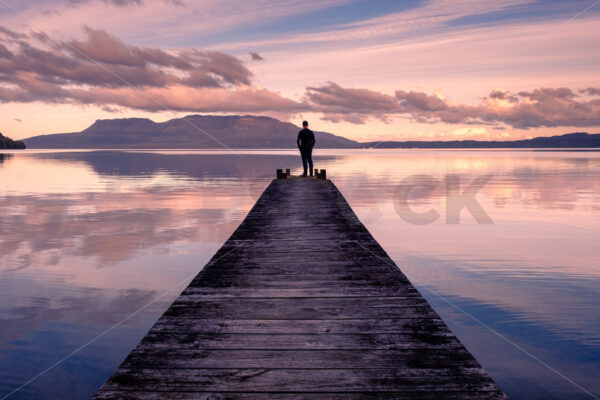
310	163
304	160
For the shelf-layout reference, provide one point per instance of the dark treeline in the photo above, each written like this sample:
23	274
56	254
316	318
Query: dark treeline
8	143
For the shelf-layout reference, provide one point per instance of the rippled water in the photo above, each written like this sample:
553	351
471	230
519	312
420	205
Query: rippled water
94	245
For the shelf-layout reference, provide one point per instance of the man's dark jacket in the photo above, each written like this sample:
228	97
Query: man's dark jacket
306	139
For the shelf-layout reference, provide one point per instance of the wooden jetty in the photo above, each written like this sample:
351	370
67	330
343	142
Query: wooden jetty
300	303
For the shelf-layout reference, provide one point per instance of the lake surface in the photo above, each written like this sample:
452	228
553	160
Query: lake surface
94	246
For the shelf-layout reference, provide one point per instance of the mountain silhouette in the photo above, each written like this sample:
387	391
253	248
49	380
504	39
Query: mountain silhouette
194	131
253	132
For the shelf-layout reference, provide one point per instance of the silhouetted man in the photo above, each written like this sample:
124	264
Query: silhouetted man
305	142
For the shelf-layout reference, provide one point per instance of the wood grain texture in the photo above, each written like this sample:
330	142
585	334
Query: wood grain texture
395	395
300	303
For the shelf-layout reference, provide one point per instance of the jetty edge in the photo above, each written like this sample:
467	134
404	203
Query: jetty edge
301	302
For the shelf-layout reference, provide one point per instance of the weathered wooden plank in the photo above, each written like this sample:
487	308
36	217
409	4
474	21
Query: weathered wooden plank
346	341
343	280
301	302
264	258
220	358
304	246
416	325
226	284
365	306
301	308
375	276
321	291
298	380
404	395
290	267
238	276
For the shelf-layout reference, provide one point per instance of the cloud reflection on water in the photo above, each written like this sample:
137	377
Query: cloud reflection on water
88	237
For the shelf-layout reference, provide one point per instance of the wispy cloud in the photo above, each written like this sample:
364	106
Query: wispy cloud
466	63
431	15
11	34
163	22
122	3
119	3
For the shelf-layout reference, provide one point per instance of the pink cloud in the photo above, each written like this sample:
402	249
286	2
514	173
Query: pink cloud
543	107
104	60
592	91
104	71
255	56
350	104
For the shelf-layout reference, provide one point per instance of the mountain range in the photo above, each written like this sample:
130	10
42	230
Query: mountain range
254	132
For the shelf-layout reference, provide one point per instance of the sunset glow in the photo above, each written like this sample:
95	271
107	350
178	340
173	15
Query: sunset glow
369	71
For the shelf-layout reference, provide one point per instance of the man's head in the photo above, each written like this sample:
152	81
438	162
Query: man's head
305	124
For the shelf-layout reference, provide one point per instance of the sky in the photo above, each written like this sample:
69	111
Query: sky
368	70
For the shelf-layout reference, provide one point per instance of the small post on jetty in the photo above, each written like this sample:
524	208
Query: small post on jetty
300	304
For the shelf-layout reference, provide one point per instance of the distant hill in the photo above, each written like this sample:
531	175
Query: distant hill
251	132
191	132
569	140
8	143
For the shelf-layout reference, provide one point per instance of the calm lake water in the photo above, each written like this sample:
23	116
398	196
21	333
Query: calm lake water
94	245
